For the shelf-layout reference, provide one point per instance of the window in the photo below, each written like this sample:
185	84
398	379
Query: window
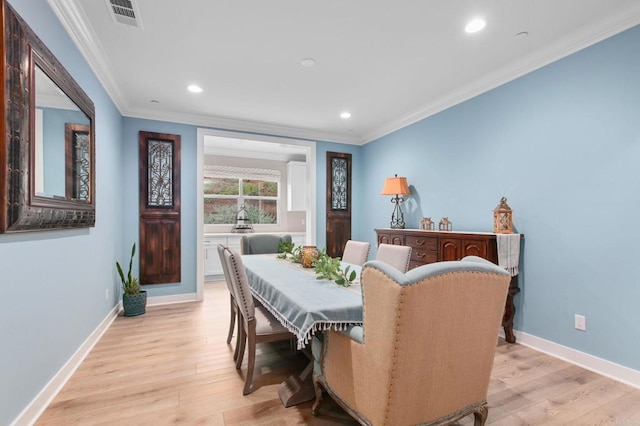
227	189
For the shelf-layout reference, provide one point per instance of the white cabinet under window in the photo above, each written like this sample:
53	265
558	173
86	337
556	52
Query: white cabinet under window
296	186
212	263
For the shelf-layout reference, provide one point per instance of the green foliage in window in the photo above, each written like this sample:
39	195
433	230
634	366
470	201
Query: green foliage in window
222	215
258	215
259	188
223	196
221	186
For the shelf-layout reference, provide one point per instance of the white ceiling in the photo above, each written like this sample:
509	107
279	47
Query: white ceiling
389	63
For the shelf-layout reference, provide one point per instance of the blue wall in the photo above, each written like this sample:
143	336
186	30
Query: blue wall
189	166
358	204
563	145
54	282
188	138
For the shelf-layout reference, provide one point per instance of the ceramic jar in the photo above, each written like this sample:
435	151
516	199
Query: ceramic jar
309	255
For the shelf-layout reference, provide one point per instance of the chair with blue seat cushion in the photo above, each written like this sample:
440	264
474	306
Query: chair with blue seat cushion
262	243
425	351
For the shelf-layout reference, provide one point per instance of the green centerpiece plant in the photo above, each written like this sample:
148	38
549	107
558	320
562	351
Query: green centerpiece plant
325	267
296	254
285	249
328	268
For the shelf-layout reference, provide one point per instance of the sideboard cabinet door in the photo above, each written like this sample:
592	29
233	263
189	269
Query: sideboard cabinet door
390	238
456	249
450	249
475	248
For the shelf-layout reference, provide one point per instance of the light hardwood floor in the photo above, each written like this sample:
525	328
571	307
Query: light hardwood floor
172	366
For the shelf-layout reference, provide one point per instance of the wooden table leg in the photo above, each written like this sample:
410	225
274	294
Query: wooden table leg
297	389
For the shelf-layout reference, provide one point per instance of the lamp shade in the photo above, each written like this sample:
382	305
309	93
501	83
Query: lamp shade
395	186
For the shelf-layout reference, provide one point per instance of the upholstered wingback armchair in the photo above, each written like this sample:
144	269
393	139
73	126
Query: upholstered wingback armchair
425	351
262	243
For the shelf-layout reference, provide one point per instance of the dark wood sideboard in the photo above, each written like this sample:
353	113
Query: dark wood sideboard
437	246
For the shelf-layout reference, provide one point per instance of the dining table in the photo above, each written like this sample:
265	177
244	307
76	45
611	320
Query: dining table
305	305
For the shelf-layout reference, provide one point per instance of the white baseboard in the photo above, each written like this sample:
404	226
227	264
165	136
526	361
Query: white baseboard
167	300
174	298
36	407
601	366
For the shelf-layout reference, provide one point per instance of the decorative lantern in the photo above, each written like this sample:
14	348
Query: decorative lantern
427	224
243	223
445	224
503	218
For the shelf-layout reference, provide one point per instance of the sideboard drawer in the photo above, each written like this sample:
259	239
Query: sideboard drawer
422	242
424	256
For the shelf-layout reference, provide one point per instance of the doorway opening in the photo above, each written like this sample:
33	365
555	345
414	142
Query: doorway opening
224	147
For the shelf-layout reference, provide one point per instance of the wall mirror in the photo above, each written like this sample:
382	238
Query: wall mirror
47	154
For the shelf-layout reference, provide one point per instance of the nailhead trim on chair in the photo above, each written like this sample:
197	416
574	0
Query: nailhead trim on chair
478	409
394	356
236	273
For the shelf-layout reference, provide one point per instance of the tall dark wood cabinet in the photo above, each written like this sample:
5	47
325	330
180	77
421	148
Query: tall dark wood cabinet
159	168
437	246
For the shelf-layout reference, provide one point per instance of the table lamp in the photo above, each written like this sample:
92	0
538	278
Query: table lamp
396	186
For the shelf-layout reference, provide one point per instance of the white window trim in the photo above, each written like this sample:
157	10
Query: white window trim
245	173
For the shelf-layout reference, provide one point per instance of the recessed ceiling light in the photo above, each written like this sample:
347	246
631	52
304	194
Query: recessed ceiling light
308	62
345	115
522	34
475	25
155	101
194	89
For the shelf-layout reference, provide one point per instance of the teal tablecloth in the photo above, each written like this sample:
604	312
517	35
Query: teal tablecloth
298	300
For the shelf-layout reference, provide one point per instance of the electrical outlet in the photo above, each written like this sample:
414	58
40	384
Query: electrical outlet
581	322
106	294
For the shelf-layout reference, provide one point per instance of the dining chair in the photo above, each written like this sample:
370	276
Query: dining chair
396	256
233	307
425	351
356	252
256	324
262	243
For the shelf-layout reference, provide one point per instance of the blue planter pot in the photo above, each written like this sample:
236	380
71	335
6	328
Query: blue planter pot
135	304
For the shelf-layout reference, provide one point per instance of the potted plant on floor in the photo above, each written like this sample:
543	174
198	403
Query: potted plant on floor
134	300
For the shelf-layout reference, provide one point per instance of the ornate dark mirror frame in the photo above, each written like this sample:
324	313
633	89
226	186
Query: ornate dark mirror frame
21	209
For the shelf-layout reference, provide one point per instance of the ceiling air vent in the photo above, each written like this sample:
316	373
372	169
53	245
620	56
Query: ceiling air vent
125	12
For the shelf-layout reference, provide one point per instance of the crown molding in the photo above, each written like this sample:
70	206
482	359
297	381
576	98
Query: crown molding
74	20
556	51
233	124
